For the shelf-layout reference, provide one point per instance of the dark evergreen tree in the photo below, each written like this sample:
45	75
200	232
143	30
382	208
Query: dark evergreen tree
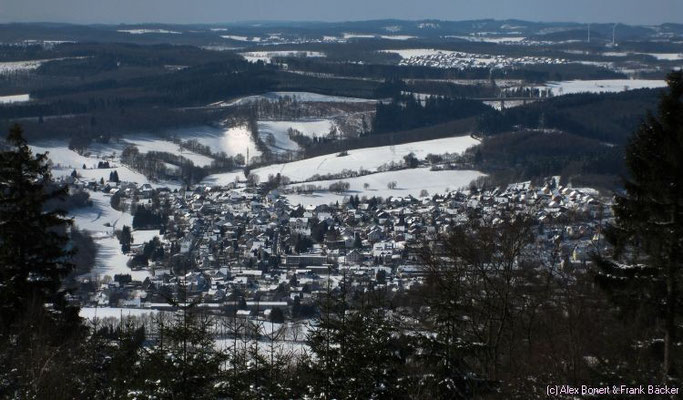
303	243
114	176
277	315
647	269
32	240
40	334
116	200
125	238
410	160
147	219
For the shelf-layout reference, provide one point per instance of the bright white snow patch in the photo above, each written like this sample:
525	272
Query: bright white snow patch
666	56
145	235
603	86
231	141
242	38
279	130
143	31
92	313
409	53
398	37
238	140
17	98
358	36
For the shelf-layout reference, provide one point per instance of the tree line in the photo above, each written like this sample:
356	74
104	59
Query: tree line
407	112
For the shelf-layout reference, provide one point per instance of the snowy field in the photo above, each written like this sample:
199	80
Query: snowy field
358	36
17	98
490	39
146	143
232	141
666	56
145	235
397	37
150	143
368	158
409	182
267	56
410	53
280	132
304	97
144	31
101	220
602	86
238	140
92	313
311	128
242	38
15	66
61	156
64	161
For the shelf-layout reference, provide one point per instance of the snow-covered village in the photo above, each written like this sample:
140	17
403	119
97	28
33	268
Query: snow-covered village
256	252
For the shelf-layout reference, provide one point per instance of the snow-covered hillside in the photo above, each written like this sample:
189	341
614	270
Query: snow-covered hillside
101	220
304	97
367	158
279	130
65	161
149	143
409	182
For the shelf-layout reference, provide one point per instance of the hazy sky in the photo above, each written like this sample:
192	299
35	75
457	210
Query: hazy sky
216	11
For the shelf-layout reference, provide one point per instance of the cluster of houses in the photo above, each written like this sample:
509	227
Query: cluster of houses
237	251
446	59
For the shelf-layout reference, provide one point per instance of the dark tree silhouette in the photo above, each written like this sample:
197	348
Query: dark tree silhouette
40	334
646	271
32	240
